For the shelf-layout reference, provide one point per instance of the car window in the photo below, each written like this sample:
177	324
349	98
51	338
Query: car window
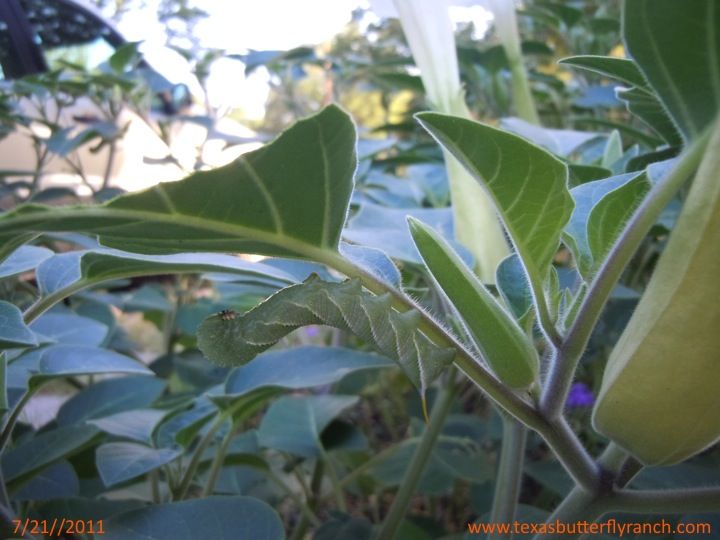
65	31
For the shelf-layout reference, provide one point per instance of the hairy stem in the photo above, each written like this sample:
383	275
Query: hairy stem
556	433
661	502
568	355
578	506
440	411
509	475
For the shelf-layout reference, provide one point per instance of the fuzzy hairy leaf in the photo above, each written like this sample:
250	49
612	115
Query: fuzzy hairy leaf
528	184
639	97
601	210
676	47
341	305
504	345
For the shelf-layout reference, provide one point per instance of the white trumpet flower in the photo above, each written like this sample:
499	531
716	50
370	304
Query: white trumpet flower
429	32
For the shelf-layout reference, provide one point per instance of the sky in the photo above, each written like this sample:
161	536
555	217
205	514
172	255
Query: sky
236	26
239	25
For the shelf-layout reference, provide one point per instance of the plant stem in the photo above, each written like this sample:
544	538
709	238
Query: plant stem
562	368
522	96
12	419
154	486
509	475
661	501
571	453
332	474
556	432
217	463
414	471
312	502
294	497
464	359
184	486
578	506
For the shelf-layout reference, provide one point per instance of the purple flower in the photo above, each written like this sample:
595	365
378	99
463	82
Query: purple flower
311	331
580	396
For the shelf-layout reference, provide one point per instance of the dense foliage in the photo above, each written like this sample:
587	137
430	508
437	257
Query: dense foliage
364	378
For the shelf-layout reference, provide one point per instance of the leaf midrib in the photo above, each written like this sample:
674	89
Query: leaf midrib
290	243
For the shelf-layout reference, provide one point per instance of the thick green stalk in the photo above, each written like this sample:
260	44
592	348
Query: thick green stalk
440	411
578	506
509	475
562	368
522	95
507	30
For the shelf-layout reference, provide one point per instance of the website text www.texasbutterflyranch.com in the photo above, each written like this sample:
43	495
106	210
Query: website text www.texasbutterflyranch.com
611	526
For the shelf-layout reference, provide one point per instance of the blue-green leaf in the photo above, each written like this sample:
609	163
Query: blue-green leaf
23	259
43	449
137	424
55	482
70	329
118	462
504	345
294	424
300	367
13	332
219	518
513	286
110	396
627	191
66	273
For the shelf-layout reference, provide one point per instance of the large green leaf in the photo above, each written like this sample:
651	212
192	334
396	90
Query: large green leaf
120	461
294	423
288	198
504	345
219	518
640	98
234	341
528	185
622	69
647	106
676	47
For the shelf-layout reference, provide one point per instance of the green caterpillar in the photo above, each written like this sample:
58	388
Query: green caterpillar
235	341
